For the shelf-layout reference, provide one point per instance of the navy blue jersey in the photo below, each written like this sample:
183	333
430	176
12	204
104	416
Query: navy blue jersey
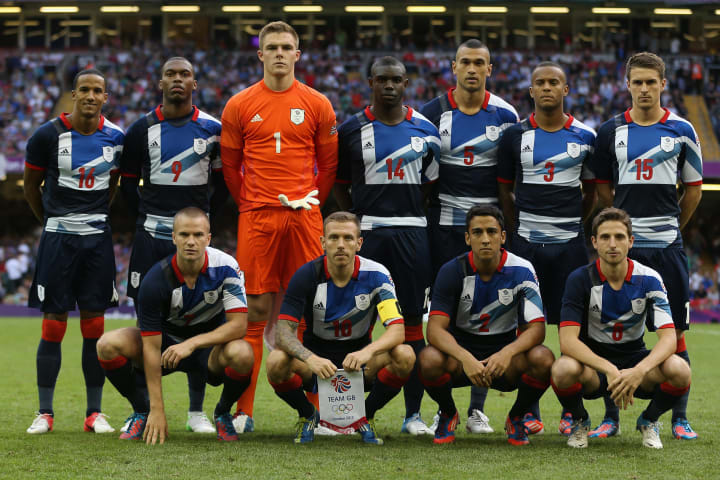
77	173
167	306
174	158
612	323
547	168
487	312
468	153
340	319
644	164
386	165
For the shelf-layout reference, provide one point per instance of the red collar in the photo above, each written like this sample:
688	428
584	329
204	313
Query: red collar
161	117
68	125
356	268
566	126
372	117
178	273
503	259
453	104
664	118
628	276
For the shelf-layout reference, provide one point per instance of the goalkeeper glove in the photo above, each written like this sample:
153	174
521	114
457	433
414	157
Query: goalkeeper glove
307	202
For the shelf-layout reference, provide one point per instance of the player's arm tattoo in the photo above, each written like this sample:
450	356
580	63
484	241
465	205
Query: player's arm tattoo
287	340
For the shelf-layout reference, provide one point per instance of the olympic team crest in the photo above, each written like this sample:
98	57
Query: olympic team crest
667	144
135	279
340	383
341	399
200	146
41	293
573	149
362	302
505	296
638	305
417	144
108	154
297	115
492	132
211	296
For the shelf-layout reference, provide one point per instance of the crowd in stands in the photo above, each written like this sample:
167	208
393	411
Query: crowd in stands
31	84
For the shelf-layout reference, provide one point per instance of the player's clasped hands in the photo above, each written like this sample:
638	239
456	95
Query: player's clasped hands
496	364
156	428
477	373
355	360
623	386
174	354
322	367
306	202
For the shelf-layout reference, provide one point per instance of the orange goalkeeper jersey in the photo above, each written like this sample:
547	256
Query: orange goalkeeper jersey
278	138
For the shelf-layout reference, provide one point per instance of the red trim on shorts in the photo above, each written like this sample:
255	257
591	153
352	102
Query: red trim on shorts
534	382
34	167
674	391
439	312
150	334
589	181
567	392
237	310
438	382
504	180
289	318
388	378
568	323
129	175
113	363
293	383
237	376
413	333
597	180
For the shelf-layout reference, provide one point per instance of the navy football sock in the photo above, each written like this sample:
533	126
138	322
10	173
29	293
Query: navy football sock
611	410
48	360
679	410
440	390
572	401
477	399
235	384
530	390
120	372
94	375
663	400
384	389
196	390
292	392
413	388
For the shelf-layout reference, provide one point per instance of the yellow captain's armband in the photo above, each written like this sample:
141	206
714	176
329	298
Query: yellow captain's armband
389	310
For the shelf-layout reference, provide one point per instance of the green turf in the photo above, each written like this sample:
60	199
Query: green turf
68	452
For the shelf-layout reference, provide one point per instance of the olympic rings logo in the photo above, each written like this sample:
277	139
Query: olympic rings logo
342	408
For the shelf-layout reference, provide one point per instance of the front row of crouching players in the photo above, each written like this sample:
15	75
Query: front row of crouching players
486	327
340	294
192	316
605	307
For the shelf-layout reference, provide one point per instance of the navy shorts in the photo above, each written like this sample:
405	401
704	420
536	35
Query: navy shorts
481	352
672	265
74	269
197	362
146	252
405	252
553	263
446	243
626	361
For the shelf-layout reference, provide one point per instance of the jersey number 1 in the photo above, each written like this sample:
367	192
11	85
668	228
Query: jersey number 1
276	136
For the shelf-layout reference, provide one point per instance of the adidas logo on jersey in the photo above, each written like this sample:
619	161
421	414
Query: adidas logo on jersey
621	144
154	144
319	306
466	298
367	146
64	151
527	149
256	118
444	133
595	309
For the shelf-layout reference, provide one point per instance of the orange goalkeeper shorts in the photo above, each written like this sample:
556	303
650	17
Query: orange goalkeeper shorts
273	242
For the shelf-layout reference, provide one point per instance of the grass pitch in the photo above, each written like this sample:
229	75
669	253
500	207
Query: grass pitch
68	452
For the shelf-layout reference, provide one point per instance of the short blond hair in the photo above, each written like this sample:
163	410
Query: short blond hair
278	27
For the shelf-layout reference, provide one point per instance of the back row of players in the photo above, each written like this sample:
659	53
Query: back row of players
279	142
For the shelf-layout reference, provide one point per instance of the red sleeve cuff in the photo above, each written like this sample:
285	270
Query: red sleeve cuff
590	181
128	175
599	180
504	180
34	167
237	310
667	325
699	182
397	321
289	318
440	312
535	320
150	334
569	324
